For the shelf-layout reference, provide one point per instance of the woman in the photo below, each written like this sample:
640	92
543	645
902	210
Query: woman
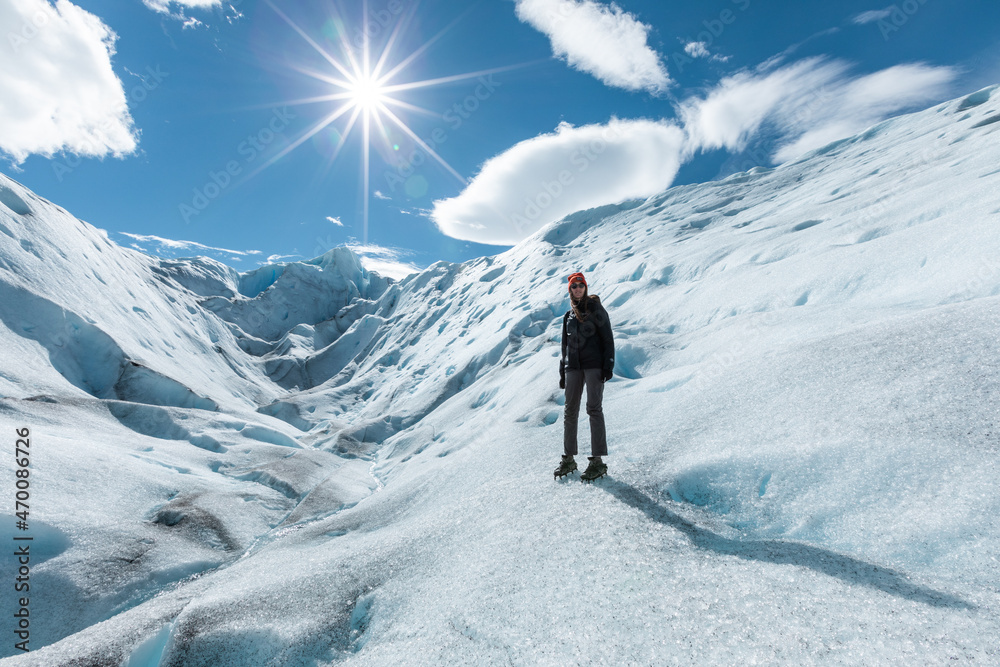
588	358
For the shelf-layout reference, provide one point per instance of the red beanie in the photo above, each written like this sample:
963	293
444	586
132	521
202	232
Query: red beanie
577	276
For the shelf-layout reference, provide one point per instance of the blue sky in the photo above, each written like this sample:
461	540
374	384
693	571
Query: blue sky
221	128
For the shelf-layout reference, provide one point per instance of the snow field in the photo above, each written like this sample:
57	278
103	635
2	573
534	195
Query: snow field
803	431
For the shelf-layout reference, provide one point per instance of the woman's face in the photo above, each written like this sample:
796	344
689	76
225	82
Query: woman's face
577	289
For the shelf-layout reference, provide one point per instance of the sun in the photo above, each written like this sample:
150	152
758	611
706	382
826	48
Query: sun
362	90
367	93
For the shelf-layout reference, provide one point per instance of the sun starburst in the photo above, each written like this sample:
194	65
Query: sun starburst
367	93
362	95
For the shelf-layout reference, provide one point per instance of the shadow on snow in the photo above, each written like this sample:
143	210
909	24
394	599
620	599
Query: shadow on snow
850	570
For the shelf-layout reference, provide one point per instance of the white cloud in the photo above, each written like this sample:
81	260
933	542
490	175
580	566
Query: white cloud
163	6
60	92
176	248
384	261
700	50
697	49
548	177
598	39
335	221
859	104
808	104
872	16
274	259
737	107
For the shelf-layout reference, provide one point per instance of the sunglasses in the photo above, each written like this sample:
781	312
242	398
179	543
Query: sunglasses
575	285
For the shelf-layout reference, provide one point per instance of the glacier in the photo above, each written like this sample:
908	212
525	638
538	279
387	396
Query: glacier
310	463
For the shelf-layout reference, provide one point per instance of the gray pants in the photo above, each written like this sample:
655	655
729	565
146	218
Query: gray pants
595	394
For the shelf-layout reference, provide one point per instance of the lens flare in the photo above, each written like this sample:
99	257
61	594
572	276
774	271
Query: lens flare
362	92
367	93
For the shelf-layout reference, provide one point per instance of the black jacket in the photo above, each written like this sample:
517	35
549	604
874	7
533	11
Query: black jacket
588	343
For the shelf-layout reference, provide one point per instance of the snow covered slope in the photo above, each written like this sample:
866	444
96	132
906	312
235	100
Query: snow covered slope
309	464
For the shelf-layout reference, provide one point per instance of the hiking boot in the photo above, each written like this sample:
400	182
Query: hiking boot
595	469
566	466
